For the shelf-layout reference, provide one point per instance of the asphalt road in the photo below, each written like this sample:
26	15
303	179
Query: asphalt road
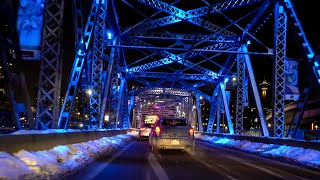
135	161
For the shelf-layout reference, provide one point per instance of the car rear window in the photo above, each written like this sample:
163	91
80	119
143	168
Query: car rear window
147	125
174	122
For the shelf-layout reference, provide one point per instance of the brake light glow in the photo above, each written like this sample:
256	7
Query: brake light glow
191	132
143	128
158	130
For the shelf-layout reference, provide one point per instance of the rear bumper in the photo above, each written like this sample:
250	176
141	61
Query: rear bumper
144	133
174	143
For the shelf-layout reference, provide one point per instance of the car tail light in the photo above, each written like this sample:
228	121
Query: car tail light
158	130
191	132
142	129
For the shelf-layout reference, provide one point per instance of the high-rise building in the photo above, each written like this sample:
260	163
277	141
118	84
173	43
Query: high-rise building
264	87
2	88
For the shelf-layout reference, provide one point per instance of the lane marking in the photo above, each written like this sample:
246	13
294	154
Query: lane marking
101	166
157	168
264	158
273	161
255	166
209	166
248	164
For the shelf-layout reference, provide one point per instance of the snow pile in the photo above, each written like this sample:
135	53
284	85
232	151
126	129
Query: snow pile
308	157
59	160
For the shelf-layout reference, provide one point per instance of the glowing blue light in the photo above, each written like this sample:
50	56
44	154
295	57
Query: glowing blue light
60	131
109	35
248	42
316	64
127	69
226	80
310	55
318	71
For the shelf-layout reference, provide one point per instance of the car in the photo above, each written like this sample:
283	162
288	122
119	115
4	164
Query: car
172	133
144	131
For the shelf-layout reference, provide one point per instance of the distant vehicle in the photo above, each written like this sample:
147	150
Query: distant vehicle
144	131
172	133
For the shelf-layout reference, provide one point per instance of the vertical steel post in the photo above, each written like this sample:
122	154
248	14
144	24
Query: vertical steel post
48	101
240	93
280	34
97	66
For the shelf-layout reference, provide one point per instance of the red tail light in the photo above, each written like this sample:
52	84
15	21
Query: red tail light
191	132
158	130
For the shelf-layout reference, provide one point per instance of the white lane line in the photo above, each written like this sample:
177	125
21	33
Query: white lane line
248	164
99	168
209	166
280	163
255	166
161	174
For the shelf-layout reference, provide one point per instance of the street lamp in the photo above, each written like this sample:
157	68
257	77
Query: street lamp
89	92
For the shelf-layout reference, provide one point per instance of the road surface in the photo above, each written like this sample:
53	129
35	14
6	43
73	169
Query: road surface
136	161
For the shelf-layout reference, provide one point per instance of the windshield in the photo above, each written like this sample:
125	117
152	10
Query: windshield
174	122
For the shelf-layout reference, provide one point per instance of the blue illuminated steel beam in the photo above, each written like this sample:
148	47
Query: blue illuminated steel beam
280	31
240	93
255	90
119	120
77	20
153	24
213	110
97	65
199	125
174	11
316	67
125	109
112	97
49	86
181	58
195	90
259	20
183	37
219	104
106	88
189	15
226	107
76	70
298	28
221	6
172	76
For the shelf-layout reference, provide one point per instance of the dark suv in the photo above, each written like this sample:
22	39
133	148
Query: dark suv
172	133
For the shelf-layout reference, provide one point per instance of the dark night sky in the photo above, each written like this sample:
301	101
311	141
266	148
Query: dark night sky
305	11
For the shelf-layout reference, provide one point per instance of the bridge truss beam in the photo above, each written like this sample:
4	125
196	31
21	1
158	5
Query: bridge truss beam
48	101
240	93
97	65
279	70
77	67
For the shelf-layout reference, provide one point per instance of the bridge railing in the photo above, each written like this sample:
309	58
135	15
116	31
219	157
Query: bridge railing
12	143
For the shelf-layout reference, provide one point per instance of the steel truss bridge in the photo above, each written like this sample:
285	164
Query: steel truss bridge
127	51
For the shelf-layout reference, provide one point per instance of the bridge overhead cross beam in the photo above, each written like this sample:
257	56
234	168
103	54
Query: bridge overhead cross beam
193	16
181	58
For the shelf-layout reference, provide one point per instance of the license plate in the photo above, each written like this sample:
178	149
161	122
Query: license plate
174	142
